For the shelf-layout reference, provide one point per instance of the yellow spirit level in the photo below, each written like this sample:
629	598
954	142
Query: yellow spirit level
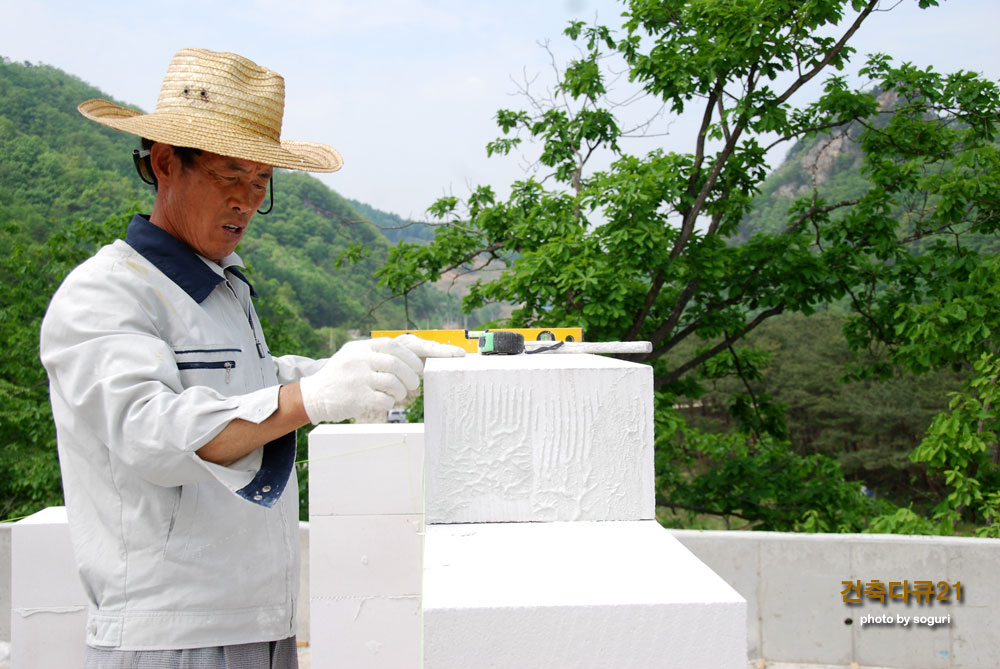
469	339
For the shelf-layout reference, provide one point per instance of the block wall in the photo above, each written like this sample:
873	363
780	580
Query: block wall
366	540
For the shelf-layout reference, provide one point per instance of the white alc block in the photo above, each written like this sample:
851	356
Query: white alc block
538	438
48	603
363	556
575	594
366	469
369	632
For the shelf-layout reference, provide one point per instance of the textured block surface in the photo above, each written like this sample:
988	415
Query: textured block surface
366	469
587	594
538	438
369	632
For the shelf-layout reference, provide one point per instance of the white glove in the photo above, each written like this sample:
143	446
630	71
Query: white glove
368	376
424	349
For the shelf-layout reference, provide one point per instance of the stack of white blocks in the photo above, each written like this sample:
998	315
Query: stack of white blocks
541	548
365	543
48	604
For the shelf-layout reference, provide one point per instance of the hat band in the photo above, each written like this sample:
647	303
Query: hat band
218	121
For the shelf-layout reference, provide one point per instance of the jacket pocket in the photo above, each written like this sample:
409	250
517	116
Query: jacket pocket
206	366
181	518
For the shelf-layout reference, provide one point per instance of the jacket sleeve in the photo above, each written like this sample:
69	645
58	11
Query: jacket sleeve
115	380
291	368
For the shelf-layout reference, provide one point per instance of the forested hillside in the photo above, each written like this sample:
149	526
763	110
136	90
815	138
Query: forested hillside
55	166
394	227
830	167
869	427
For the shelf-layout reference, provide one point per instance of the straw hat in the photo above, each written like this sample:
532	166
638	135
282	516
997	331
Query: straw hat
222	103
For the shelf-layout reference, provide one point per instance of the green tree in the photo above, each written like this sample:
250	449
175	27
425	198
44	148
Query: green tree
957	326
868	426
646	248
963	445
29	274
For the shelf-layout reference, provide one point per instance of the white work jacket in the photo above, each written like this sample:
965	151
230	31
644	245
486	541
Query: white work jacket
151	351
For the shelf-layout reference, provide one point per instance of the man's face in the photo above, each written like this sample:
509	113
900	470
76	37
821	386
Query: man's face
208	205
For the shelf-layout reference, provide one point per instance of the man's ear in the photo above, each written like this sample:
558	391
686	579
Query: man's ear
161	158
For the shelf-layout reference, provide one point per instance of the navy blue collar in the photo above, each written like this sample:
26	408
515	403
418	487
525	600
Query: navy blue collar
176	259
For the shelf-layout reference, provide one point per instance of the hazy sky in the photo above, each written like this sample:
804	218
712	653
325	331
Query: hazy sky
406	90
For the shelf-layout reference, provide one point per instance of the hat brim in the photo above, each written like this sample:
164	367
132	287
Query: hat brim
226	140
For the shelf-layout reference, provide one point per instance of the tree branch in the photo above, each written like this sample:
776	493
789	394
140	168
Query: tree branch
662	501
691	215
805	131
831	54
746	384
654	290
675	314
687	226
491	250
812	211
677	373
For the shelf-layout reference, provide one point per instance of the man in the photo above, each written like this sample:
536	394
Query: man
176	426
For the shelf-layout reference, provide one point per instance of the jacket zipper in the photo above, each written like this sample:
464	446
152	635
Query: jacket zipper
227	365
